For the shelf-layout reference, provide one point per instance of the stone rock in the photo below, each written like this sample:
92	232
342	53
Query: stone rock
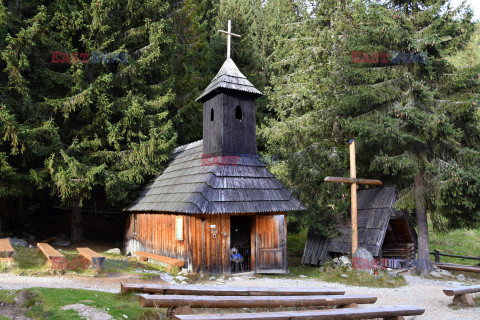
392	274
114	251
181	278
344	275
343	261
183	272
363	259
212	278
435	274
63	241
320	269
302	276
445	273
183	282
18	242
461	277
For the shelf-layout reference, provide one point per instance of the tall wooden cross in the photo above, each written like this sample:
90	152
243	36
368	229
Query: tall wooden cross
229	35
353	190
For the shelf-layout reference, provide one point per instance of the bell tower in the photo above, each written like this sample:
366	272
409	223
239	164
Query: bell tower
229	111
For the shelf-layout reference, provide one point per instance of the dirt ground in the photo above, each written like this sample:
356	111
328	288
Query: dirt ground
418	292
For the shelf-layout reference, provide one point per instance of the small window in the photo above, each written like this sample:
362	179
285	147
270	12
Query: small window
212	116
238	113
179	228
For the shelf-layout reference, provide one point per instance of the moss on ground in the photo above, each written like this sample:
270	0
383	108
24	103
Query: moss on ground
46	303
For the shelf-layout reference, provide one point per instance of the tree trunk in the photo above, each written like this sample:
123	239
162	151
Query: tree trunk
423	257
76	227
20	213
3	208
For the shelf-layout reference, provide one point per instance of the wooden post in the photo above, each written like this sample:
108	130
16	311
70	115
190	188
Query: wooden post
353	191
437	255
76	226
353	188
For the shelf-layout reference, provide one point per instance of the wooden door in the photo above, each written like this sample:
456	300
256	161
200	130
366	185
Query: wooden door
271	244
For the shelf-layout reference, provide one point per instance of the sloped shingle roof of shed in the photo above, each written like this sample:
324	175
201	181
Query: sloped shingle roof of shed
229	77
375	208
187	186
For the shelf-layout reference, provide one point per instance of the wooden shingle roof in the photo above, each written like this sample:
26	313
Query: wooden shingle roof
230	78
194	185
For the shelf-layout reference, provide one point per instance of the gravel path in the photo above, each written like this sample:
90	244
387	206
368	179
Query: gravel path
13	282
419	292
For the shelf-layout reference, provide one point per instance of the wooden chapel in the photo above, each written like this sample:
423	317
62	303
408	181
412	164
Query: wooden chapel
216	197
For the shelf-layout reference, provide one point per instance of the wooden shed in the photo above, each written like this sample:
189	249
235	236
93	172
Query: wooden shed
216	198
381	229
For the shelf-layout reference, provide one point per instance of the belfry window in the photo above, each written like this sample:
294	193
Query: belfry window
212	115
238	113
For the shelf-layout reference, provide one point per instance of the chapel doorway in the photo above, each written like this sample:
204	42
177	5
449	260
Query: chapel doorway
240	244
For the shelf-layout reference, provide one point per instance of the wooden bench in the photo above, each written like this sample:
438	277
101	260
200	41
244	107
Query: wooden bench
56	258
170	262
163	301
226	291
462	295
387	313
404	251
458	267
6	251
95	258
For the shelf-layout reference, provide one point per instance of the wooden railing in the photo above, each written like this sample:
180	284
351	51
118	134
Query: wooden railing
437	255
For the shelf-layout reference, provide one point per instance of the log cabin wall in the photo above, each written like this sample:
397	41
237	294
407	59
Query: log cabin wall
155	233
205	248
209	249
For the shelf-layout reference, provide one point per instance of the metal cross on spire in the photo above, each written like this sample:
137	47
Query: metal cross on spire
229	35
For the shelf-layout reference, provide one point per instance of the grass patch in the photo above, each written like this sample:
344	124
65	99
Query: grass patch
29	259
48	303
460	242
296	242
353	277
7	296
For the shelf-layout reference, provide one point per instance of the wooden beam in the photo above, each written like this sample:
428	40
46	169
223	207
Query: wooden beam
353	191
371	182
330	314
161	301
226	291
458	267
461	290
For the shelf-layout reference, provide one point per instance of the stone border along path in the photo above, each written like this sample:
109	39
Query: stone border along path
418	292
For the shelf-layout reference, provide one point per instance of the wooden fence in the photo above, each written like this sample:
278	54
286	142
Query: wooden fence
437	255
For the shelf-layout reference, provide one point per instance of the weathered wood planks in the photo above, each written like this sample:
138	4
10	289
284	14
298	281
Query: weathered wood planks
6	251
226	291
170	262
458	267
462	294
95	258
151	301
390	313
56	258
